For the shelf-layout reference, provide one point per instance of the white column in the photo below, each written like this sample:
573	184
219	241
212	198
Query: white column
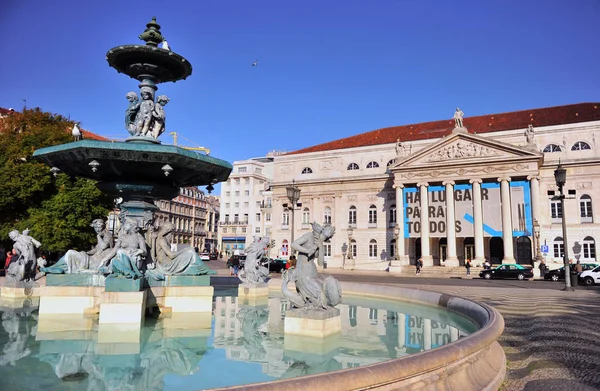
451	258
427	334
478	221
507	235
396	265
426	257
534	182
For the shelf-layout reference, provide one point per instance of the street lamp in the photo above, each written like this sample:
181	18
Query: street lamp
293	194
350	249
397	236
560	176
536	240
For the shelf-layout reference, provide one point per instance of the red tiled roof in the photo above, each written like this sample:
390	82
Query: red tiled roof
570	114
4	111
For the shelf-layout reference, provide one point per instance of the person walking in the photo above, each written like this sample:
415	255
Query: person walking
468	266
419	266
578	267
9	258
542	268
235	263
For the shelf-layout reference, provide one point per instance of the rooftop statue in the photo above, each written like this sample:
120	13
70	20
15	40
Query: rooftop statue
312	290
168	263
458	118
529	134
255	274
82	261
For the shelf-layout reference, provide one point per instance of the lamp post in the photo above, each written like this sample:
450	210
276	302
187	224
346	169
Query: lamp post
397	236
560	176
536	240
293	194
350	248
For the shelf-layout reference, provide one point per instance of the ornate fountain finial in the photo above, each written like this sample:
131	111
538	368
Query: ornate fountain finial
152	35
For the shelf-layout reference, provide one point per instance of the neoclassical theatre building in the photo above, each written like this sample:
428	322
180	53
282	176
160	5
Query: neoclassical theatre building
474	188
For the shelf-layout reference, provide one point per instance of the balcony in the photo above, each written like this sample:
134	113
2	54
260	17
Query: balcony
266	206
233	222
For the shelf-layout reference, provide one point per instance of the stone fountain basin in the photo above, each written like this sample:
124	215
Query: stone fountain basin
473	363
123	164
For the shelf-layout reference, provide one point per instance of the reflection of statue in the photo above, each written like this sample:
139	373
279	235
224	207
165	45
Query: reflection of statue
252	318
160	118
458	118
85	262
313	291
529	133
18	327
168	263
127	255
131	112
23	268
143	117
254	273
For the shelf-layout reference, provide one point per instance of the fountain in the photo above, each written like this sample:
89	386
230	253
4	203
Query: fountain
119	281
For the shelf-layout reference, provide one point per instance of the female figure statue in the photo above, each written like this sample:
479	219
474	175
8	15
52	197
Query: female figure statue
128	255
312	290
254	273
168	263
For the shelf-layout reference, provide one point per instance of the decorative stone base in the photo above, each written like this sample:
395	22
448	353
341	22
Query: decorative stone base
82	279
182	298
122	284
313	323
67	299
253	295
118	339
122	307
184	324
181	281
296	346
18	302
65	327
451	262
20	292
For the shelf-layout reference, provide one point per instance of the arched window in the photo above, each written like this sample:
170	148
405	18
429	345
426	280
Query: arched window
373	248
589	249
372	214
327	215
307	170
352	215
372	164
580	146
353	166
306	216
393	214
585	209
327	248
284	248
558	247
353	248
393	161
552	148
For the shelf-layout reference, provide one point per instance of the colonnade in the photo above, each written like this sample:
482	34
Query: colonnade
452	258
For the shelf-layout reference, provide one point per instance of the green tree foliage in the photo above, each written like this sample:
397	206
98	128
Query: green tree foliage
57	210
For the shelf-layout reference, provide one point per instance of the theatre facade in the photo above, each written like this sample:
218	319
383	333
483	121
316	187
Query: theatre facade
448	191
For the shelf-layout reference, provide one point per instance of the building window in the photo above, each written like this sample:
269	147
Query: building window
268	216
224	230
247	180
258	170
393	214
580	146
246	204
258	217
373	248
558	247
236	218
258	204
353	248
585	208
237	193
237	204
372	214
226	218
352	166
327	248
352	215
237	180
243	230
241	169
228	193
247	192
589	249
373	316
373	165
307	170
391	162
245	217
327	215
306	216
257	230
555	209
552	148
227	204
233	230
392	248
285	219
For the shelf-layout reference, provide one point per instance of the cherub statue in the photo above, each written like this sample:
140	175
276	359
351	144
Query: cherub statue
160	118
131	112
143	118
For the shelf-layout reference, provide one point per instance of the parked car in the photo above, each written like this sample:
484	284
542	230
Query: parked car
590	277
204	257
559	274
508	271
275	265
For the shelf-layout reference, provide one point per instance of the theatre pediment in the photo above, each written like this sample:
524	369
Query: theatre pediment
466	148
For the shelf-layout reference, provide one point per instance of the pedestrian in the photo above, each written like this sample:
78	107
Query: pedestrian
542	268
291	262
235	262
419	266
468	266
486	265
11	254
578	267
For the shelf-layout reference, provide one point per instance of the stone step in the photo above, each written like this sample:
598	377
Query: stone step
437	270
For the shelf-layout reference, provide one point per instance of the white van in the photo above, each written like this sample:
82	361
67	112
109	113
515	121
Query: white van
590	277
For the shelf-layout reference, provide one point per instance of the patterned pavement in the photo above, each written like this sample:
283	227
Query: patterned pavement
551	338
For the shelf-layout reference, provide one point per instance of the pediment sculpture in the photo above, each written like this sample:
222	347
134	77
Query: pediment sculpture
462	150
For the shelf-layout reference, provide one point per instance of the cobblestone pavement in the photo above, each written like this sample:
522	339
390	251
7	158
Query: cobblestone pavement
551	338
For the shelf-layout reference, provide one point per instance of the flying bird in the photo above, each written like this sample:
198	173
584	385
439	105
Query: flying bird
255	63
76	133
165	45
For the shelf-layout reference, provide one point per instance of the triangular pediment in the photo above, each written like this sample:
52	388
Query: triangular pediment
463	148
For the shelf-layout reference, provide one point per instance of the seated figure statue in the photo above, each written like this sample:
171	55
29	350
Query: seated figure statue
128	255
81	261
168	263
312	290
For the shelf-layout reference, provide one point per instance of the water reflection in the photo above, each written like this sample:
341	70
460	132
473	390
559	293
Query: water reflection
245	340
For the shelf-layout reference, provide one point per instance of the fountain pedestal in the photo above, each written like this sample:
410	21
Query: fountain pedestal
122	307
182	294
253	295
313	323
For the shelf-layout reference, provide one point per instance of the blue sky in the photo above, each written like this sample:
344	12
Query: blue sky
327	69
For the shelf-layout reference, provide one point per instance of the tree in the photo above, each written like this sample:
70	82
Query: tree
58	210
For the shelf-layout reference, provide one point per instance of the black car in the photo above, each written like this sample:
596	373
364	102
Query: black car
559	274
214	256
507	271
275	265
